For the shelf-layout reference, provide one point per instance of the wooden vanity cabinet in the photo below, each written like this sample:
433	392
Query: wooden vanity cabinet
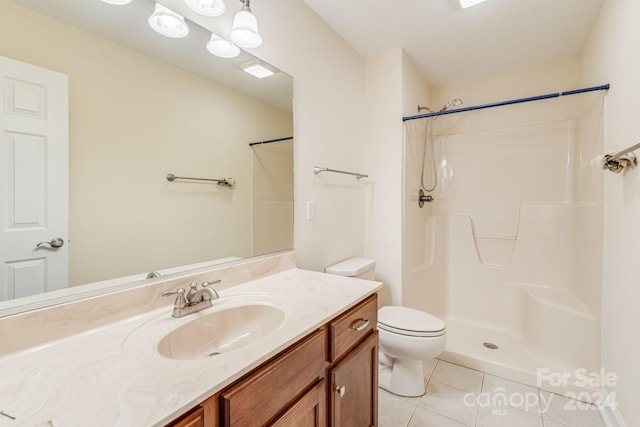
328	378
353	372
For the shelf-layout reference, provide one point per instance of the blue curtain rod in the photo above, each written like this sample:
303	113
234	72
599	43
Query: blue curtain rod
512	101
269	141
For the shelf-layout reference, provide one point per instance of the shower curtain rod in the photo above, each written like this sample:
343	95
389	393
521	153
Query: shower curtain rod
512	101
269	141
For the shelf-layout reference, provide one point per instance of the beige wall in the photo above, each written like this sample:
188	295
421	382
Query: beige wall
612	56
133	121
328	124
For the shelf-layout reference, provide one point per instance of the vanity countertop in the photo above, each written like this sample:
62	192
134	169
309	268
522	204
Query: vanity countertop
113	375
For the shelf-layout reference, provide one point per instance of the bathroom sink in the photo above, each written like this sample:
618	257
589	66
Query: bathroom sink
220	331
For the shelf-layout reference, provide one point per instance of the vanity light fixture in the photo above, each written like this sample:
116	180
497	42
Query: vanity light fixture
257	69
168	23
244	32
468	3
118	2
221	47
207	7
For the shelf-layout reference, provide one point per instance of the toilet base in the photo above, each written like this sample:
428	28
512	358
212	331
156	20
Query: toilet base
402	377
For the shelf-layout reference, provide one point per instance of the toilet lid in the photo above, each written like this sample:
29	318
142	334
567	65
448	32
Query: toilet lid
409	321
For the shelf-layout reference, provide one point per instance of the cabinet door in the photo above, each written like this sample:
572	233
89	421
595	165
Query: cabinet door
309	411
353	396
194	418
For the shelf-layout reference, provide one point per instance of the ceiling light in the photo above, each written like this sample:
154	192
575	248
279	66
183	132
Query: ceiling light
207	7
468	3
257	69
118	2
168	23
221	47
244	32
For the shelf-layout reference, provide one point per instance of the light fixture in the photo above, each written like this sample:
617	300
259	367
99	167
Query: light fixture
221	47
207	7
118	2
468	3
257	69
244	31
168	23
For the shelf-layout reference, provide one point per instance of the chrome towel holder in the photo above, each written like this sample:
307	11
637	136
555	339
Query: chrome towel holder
620	161
226	182
318	169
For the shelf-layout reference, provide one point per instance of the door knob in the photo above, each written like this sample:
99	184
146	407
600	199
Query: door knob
56	242
340	389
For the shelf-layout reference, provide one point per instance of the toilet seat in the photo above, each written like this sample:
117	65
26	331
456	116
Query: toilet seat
410	322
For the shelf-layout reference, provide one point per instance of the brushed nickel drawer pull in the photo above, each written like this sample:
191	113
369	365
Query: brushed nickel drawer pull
363	323
340	389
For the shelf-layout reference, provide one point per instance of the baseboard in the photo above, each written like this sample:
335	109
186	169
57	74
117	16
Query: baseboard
609	410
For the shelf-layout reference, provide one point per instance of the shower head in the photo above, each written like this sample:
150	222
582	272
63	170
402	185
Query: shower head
453	103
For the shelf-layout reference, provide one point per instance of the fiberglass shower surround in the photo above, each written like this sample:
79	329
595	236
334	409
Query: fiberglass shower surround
509	252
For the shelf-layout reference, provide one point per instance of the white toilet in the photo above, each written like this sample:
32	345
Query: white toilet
407	337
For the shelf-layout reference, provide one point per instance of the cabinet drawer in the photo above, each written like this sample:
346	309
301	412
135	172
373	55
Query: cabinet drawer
348	329
261	396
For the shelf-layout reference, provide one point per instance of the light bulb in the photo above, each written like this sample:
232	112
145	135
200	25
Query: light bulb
207	7
168	23
221	47
244	32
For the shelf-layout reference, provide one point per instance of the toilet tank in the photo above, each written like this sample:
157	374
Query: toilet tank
361	268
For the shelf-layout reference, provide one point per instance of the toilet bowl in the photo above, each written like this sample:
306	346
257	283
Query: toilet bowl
407	337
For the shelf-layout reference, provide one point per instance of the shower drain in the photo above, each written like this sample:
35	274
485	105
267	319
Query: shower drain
490	345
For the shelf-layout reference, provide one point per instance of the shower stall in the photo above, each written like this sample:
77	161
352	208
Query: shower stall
509	249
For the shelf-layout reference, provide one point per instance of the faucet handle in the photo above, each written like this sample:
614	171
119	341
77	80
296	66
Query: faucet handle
181	301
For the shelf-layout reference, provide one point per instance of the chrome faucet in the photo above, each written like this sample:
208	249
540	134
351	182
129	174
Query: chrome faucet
194	300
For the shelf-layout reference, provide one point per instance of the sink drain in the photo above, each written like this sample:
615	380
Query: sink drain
215	353
490	345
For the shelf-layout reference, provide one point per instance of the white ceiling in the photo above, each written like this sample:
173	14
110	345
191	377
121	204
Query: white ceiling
449	43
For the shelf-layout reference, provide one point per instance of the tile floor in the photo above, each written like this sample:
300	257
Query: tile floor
457	397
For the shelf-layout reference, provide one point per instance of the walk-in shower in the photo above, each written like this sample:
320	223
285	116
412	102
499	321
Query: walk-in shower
510	252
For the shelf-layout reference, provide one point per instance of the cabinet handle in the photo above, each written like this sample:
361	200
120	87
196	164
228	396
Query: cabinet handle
340	389
361	325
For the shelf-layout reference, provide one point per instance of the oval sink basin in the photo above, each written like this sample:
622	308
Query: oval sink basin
220	332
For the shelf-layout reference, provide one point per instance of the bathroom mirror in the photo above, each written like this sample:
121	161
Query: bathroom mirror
142	106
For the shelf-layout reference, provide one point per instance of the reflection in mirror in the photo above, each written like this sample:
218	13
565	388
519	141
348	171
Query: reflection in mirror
140	106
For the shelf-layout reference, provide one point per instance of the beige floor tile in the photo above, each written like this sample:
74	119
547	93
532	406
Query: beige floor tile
425	418
502	392
393	411
457	376
570	412
506	417
450	402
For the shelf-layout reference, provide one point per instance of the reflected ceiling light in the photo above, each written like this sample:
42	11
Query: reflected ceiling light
168	23
221	47
119	2
207	7
468	3
244	32
257	69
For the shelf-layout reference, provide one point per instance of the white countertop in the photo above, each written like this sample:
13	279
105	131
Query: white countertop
113	376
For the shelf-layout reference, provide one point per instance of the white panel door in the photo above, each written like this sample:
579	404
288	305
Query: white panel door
34	200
